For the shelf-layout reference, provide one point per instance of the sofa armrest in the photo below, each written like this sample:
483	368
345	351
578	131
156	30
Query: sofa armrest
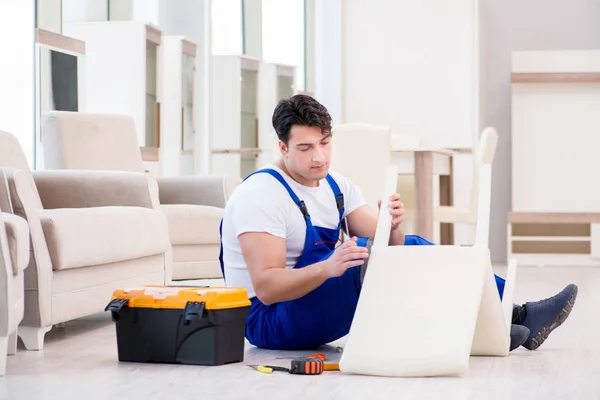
5	203
38	275
204	190
87	188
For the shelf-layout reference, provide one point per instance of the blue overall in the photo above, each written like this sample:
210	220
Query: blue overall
326	313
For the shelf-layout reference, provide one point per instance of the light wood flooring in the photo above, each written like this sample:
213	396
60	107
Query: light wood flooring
80	362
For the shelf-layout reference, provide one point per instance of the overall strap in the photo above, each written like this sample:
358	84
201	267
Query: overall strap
300	203
339	196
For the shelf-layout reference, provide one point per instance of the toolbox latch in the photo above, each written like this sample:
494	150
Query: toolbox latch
115	307
193	309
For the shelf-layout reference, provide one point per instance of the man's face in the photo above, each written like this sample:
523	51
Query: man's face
308	153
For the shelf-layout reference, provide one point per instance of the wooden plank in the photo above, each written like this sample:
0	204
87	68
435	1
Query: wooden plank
149	153
424	194
555	77
446	199
550	217
550	230
188	47
250	64
551	247
153	34
285	70
58	41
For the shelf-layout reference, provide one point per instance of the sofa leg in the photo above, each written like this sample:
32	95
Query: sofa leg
33	337
12	344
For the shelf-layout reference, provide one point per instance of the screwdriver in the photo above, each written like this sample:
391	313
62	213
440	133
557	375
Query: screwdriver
299	366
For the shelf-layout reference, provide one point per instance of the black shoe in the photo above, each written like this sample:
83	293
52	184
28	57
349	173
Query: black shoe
518	335
542	317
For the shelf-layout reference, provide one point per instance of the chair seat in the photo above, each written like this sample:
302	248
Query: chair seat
102	235
17	231
191	224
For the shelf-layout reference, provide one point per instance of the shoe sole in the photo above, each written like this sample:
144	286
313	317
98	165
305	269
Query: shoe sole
542	335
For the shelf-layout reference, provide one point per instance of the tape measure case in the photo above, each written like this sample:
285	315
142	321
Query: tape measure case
182	325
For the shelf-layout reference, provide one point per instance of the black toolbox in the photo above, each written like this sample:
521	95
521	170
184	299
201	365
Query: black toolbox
182	325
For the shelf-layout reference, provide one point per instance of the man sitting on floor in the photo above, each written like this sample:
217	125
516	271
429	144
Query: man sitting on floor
279	236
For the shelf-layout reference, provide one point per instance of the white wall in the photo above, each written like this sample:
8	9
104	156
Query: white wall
517	25
412	65
17	103
328	56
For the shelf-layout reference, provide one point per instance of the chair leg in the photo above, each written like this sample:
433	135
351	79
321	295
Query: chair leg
3	354
33	337
12	344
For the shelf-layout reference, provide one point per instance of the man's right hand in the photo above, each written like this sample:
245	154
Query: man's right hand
347	255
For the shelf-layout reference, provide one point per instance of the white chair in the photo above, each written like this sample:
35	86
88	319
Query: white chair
366	169
428	313
452	214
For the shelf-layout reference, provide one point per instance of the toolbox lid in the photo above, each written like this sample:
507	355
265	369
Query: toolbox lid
214	298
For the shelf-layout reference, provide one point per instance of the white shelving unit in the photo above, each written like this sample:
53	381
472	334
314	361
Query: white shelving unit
234	115
122	76
555	219
276	82
59	75
178	148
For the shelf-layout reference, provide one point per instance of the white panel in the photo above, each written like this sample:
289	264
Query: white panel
116	74
17	103
555	147
418	69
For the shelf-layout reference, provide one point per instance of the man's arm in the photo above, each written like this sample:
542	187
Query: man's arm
265	256
363	222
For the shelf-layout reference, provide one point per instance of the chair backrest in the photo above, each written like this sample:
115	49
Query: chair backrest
485	155
91	141
363	153
11	153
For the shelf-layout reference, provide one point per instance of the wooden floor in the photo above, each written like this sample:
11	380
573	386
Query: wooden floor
80	362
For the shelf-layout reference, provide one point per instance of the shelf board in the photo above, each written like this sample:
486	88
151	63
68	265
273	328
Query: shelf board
515	217
254	151
58	41
555	77
550	238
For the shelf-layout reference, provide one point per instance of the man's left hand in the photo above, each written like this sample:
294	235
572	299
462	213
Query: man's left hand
396	210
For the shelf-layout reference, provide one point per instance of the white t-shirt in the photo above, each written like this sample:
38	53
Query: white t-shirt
262	204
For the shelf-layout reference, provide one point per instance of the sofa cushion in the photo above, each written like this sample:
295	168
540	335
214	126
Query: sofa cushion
80	237
193	224
17	231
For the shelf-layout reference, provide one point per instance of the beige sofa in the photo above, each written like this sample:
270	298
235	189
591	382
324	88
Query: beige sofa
91	232
14	257
193	204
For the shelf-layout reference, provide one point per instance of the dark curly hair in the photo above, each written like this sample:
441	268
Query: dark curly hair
299	110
